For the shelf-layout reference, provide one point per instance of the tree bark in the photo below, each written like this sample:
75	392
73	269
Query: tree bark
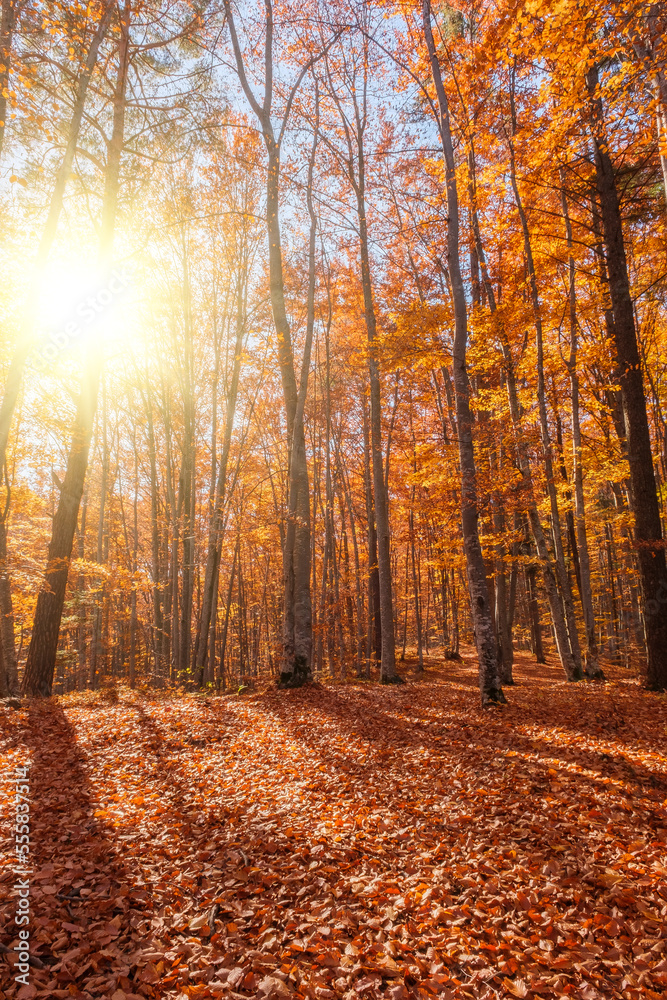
644	496
374	626
132	665
297	622
555	605
40	665
388	672
10	9
187	476
482	614
415	580
355	165
297	608
96	638
570	634
215	538
502	619
534	615
591	664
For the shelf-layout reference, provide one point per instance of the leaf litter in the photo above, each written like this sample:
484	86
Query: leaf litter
345	841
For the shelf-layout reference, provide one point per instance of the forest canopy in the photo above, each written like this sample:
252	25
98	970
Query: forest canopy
333	340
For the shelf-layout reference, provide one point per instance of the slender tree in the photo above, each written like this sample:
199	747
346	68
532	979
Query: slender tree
482	614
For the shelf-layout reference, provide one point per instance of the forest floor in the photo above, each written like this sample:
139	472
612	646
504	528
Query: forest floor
348	841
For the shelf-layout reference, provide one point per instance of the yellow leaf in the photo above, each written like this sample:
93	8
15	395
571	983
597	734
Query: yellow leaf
517	989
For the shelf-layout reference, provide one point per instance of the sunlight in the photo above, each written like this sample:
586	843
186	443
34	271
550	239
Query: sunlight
76	300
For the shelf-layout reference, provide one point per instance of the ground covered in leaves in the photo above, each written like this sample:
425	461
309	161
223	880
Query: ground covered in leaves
345	841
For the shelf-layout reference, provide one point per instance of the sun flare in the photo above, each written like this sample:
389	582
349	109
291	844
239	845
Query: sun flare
78	301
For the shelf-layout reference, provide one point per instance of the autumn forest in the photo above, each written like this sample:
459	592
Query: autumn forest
333	435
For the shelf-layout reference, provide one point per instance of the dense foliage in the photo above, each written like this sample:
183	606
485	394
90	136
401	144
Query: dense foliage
237	444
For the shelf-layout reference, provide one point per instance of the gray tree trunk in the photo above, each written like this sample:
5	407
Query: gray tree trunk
482	613
388	673
550	585
216	532
297	609
591	664
570	636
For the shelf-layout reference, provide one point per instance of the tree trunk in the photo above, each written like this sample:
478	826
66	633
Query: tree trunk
569	635
38	677
485	638
644	496
96	639
40	665
132	666
188	466
9	668
591	665
534	615
388	672
503	623
297	621
374	628
156	566
81	589
7	24
228	607
359	655
297	615
415	582
523	461
215	538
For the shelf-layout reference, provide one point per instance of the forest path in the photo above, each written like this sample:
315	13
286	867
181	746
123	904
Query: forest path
355	839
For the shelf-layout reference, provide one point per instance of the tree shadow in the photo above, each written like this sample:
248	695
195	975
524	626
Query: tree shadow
93	929
367	717
574	713
87	912
537	766
166	773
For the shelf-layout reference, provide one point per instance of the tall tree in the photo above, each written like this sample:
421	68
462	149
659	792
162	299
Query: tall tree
40	664
482	612
297	612
354	119
644	494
